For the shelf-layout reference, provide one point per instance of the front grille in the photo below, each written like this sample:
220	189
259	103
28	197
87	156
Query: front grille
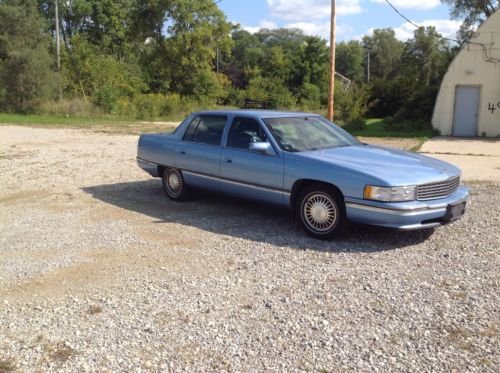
440	189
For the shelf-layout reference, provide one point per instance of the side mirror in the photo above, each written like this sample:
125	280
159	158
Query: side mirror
262	147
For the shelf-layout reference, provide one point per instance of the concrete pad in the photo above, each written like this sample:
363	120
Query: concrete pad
479	159
452	145
474	167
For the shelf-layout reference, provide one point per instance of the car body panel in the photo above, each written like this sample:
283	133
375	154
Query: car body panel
271	178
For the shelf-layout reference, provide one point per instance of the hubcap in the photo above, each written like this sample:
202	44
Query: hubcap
174	182
320	212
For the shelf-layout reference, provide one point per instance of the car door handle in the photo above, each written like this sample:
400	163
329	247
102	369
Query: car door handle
227	160
182	152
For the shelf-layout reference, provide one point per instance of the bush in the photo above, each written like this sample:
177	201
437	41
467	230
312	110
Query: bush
273	91
309	97
153	106
73	107
351	106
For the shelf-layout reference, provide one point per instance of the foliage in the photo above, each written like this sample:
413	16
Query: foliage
26	75
149	59
385	52
472	12
349	60
350	105
411	93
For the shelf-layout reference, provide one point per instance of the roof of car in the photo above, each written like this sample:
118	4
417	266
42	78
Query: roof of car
257	113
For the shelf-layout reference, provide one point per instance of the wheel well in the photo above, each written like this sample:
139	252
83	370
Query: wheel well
161	169
301	184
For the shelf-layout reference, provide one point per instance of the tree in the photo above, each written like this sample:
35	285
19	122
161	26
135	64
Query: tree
185	38
425	61
426	56
26	66
349	60
473	13
385	53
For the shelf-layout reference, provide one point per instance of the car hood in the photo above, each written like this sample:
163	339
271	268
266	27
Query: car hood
395	167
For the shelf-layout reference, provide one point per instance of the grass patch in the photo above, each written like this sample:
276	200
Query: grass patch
377	128
103	124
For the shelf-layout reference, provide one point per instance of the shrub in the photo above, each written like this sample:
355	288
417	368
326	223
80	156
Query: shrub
350	105
73	107
309	97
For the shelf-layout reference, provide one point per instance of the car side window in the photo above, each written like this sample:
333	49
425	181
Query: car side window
206	129
244	131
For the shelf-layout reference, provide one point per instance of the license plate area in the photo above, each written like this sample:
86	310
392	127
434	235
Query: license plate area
454	212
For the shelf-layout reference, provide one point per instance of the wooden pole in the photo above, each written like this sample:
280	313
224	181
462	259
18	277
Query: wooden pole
58	42
331	89
368	66
58	48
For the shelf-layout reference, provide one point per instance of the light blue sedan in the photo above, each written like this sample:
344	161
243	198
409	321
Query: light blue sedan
306	163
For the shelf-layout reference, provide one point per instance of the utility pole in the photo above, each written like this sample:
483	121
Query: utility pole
58	42
58	47
368	65
217	59
331	89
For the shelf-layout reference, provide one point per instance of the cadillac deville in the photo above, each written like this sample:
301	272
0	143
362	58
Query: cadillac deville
308	164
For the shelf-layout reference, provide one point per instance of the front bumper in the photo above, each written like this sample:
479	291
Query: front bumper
405	215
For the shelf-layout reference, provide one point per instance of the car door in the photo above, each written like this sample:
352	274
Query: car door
198	154
248	173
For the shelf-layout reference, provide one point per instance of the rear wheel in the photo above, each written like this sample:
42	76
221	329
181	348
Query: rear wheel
321	211
174	185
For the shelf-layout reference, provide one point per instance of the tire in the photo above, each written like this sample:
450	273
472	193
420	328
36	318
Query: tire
174	185
321	212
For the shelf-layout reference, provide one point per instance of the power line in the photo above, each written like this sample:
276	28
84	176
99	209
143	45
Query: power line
486	57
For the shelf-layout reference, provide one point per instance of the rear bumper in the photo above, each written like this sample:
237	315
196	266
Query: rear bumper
150	167
405	215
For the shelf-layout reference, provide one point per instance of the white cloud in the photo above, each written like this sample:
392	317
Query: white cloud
263	24
411	4
447	28
321	29
299	10
309	28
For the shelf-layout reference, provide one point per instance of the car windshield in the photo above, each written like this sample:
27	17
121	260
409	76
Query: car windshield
299	134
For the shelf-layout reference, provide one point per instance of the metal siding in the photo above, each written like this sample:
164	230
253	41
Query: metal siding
470	68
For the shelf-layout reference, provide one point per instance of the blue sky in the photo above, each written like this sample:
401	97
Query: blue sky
355	18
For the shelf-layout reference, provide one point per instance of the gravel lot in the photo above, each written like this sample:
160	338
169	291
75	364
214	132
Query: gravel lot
99	271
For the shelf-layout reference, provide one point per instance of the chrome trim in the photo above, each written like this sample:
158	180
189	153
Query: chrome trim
249	185
147	162
437	189
391	211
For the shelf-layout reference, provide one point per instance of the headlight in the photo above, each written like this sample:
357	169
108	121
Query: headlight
390	194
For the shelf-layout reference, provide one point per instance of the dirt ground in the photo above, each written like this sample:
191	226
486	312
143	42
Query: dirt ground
99	270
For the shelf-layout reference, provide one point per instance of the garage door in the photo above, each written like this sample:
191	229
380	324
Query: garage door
466	111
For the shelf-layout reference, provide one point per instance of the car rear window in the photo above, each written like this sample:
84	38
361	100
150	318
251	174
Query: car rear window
206	129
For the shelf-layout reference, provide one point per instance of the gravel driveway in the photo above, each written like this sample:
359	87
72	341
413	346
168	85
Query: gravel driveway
99	271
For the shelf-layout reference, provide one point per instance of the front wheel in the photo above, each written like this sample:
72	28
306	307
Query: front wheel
174	185
321	210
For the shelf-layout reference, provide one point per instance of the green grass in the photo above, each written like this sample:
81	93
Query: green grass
59	120
376	128
124	125
101	123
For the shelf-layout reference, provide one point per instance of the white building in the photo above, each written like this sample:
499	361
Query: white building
468	103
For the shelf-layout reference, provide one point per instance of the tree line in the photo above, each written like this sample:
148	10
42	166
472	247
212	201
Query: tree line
154	58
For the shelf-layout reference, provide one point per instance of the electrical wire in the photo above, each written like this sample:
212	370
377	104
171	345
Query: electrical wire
486	57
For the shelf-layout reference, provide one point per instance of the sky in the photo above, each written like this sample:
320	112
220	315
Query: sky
355	18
